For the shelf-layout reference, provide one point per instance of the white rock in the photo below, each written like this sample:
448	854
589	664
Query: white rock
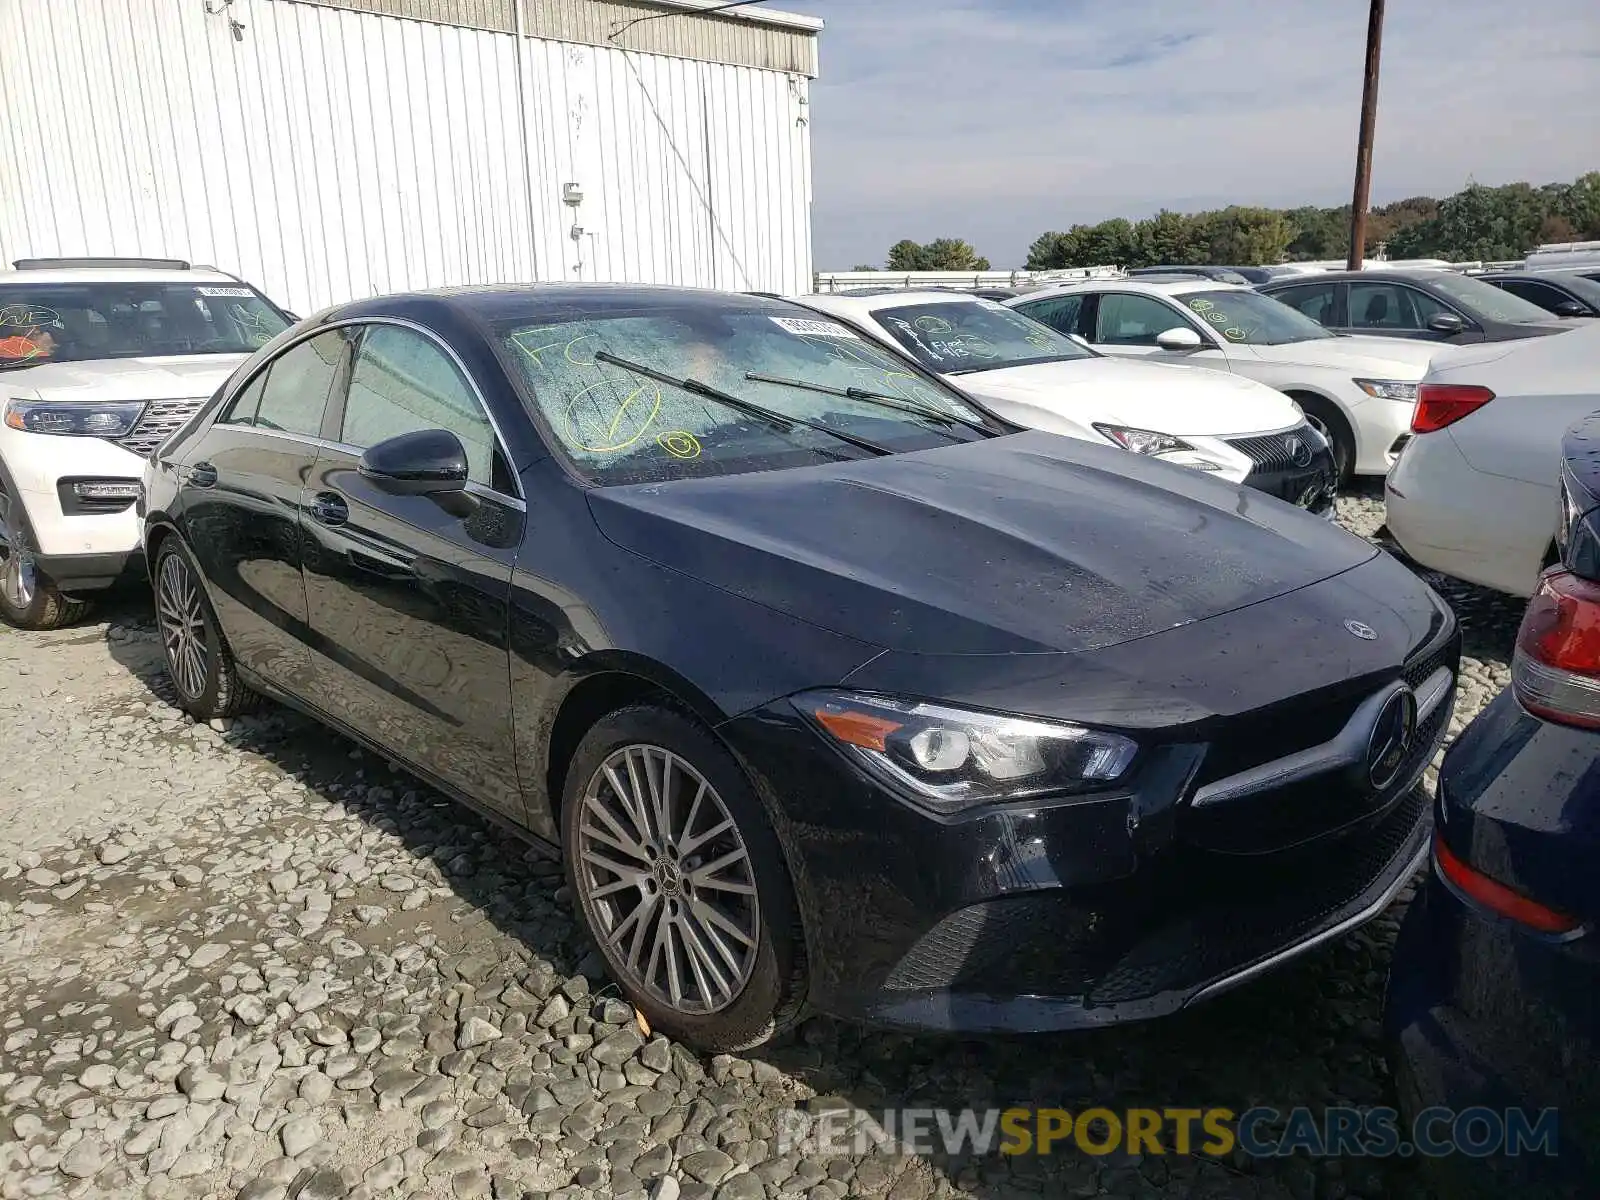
207	955
299	1134
85	1159
98	1077
178	1008
308	996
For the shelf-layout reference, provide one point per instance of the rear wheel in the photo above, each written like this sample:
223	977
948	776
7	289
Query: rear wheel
198	660
27	599
677	873
1327	420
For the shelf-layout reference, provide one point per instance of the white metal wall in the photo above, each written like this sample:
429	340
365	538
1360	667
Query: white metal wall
327	154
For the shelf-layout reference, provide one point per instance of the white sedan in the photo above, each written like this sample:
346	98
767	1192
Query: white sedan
1357	390
1030	374
1475	493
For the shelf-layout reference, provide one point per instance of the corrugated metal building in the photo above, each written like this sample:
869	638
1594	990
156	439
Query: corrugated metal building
327	149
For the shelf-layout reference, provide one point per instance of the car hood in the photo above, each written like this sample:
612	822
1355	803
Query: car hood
1186	401
110	379
1028	543
1369	357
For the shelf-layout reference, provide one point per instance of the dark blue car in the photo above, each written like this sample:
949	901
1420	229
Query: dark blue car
1494	998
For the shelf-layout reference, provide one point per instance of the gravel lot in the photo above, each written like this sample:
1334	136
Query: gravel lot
258	962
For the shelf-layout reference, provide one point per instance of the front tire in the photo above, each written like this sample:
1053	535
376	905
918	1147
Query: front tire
27	599
199	662
676	871
1327	420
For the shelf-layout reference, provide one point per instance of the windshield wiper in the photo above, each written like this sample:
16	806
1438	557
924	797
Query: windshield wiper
16	364
778	420
882	399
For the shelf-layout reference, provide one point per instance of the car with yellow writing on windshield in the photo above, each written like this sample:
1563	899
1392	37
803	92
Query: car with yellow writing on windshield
1027	372
1358	392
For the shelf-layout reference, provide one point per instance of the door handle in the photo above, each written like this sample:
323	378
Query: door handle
202	475
329	509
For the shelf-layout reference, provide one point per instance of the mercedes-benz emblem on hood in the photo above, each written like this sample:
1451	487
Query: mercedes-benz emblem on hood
1365	632
1389	745
1299	452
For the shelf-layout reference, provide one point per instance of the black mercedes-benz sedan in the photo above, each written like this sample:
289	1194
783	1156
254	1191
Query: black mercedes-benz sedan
834	691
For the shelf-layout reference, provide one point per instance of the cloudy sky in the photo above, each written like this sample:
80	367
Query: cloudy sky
995	120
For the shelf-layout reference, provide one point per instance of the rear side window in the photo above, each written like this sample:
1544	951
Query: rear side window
242	409
1061	313
298	383
1316	300
402	383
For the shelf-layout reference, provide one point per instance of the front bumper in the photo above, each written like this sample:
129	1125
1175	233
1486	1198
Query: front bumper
1294	465
1075	912
38	473
76	574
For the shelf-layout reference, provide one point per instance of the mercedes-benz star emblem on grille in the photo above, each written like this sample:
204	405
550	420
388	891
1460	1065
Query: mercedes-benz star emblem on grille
1389	745
1365	632
1299	452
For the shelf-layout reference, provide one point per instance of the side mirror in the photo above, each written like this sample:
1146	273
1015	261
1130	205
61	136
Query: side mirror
1571	308
429	462
1179	338
1446	323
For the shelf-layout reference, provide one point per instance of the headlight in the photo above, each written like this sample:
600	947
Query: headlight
948	760
1388	389
1153	444
74	418
1143	441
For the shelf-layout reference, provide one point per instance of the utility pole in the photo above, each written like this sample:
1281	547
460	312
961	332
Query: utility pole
1369	112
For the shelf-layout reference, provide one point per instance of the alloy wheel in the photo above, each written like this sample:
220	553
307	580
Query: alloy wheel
18	581
668	879
183	626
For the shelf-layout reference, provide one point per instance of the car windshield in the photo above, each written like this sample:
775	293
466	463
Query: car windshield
619	426
74	322
963	336
1485	300
1251	319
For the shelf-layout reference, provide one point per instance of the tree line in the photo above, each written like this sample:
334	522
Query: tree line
1477	223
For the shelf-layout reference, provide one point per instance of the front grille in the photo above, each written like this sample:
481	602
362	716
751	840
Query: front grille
1193	919
1246	916
1311	808
160	421
972	944
1275	451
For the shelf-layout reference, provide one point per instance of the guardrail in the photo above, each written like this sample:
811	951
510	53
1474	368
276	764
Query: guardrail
838	281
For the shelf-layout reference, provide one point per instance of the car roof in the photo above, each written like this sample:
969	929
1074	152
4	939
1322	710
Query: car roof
494	303
1397	275
1175	286
117	275
860	305
1549	276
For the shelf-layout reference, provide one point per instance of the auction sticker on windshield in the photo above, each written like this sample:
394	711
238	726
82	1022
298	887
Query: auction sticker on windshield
803	327
224	291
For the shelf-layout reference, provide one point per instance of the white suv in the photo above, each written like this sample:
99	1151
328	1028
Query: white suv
1358	391
100	360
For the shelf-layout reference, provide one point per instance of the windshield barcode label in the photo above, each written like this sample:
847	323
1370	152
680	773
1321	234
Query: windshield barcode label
802	327
224	291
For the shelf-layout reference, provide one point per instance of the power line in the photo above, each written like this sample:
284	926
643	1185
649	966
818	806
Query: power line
702	12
